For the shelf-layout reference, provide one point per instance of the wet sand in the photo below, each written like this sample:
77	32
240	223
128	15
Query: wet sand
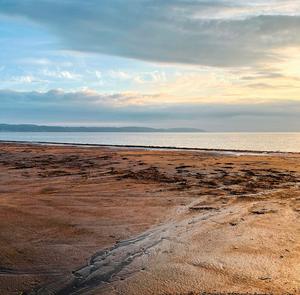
96	220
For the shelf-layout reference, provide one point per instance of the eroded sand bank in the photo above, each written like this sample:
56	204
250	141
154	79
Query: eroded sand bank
78	220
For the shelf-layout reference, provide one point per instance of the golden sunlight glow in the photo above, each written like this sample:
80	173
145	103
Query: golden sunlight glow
279	80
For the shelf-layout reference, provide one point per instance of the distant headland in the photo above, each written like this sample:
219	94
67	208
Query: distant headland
44	128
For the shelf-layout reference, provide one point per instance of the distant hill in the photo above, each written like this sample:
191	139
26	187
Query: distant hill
38	128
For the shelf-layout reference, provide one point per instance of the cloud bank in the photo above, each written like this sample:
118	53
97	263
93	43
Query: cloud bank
214	33
87	107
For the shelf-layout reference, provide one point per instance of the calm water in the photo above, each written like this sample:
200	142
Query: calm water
286	142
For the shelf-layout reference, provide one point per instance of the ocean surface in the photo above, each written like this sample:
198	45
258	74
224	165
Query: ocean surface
284	142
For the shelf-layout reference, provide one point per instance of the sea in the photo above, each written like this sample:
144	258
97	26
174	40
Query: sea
277	142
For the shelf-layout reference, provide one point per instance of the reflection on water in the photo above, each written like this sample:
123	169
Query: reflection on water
286	142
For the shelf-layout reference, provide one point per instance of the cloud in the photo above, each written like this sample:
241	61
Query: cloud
90	107
24	79
177	31
85	98
61	74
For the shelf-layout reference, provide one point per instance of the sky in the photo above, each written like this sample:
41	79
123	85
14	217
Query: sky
218	65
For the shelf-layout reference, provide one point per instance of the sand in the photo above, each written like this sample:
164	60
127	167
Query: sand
91	220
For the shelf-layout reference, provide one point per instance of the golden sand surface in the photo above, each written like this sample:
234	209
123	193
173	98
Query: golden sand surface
96	220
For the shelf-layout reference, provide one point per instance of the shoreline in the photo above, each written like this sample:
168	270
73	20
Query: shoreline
145	147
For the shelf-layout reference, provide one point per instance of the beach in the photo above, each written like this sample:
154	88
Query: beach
112	220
